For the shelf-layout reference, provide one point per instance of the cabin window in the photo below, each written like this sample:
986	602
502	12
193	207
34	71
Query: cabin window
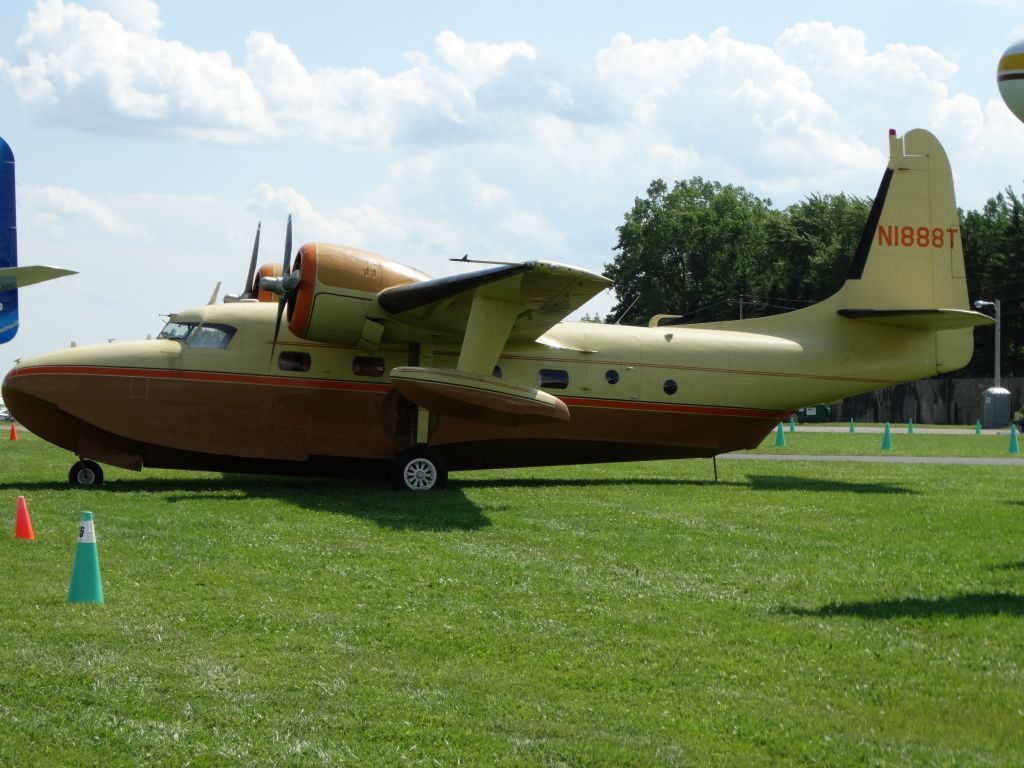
496	373
294	361
553	379
368	366
670	386
611	376
176	331
211	337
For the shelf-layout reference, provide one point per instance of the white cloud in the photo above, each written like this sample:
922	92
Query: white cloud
137	15
779	118
55	205
87	68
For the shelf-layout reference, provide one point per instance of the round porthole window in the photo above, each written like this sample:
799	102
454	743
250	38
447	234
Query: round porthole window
670	387
611	376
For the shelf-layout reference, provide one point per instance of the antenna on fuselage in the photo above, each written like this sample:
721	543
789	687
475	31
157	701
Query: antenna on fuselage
623	313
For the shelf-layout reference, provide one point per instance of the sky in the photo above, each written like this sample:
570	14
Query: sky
150	138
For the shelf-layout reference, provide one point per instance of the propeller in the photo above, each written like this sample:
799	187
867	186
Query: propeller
284	285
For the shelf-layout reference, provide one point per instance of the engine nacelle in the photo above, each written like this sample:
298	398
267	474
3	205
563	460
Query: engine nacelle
338	285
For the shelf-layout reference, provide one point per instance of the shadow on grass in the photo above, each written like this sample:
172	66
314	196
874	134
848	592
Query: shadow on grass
440	511
786	483
961	606
596	482
1017	566
753	482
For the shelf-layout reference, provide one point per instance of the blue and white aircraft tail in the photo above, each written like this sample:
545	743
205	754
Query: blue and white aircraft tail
12	276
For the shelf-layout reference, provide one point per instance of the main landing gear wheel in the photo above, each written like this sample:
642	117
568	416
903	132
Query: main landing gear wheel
419	468
85	474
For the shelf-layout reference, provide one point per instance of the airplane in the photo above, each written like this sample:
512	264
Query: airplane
12	276
380	368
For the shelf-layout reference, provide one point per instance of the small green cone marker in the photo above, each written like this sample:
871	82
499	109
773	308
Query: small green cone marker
910	426
977	427
852	430
1014	447
887	439
792	424
780	437
85	571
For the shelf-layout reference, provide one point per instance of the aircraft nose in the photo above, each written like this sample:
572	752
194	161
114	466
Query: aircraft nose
14	394
29	404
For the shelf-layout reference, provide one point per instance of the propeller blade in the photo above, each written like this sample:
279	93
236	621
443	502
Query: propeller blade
281	303
247	291
288	246
282	286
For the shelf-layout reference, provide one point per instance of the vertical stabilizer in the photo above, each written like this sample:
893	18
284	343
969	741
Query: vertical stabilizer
910	254
909	267
8	243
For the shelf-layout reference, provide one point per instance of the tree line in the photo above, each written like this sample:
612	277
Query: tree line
707	251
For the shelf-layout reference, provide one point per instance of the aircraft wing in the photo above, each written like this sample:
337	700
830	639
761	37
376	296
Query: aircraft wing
19	277
539	293
489	307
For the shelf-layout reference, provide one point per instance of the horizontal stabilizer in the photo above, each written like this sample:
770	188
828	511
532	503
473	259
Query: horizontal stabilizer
476	396
19	277
920	319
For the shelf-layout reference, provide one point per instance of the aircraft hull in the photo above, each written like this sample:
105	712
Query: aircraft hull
135	418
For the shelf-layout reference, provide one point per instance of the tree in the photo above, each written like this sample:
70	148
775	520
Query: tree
689	250
701	248
813	245
993	242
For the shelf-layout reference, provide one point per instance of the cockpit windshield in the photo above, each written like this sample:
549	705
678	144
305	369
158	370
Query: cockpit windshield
198	335
177	331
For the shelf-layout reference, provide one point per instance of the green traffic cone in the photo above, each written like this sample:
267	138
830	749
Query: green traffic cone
780	437
852	430
887	439
910	426
792	424
977	427
1014	447
86	586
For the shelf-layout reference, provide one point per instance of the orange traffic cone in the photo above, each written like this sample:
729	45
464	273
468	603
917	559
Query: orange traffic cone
14	432
23	525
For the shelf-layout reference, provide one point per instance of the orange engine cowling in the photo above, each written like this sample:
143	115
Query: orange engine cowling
338	285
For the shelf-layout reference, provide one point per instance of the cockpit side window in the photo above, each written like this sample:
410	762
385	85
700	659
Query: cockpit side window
212	337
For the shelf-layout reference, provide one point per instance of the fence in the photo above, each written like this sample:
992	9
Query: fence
929	401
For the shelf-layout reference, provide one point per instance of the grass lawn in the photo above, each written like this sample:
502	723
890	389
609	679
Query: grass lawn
636	614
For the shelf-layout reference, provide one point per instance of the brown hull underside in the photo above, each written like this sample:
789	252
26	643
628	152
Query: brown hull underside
263	428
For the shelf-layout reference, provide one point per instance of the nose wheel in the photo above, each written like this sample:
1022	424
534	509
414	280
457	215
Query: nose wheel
85	474
419	468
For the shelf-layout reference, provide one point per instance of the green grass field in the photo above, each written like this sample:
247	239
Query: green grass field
795	613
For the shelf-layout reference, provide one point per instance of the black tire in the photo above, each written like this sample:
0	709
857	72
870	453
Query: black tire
419	468
85	474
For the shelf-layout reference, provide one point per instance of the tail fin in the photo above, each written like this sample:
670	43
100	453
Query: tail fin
909	268
8	244
12	276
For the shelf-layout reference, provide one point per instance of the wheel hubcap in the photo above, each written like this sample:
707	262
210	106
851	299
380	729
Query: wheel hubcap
420	475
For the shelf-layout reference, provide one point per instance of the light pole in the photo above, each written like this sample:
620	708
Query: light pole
978	305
